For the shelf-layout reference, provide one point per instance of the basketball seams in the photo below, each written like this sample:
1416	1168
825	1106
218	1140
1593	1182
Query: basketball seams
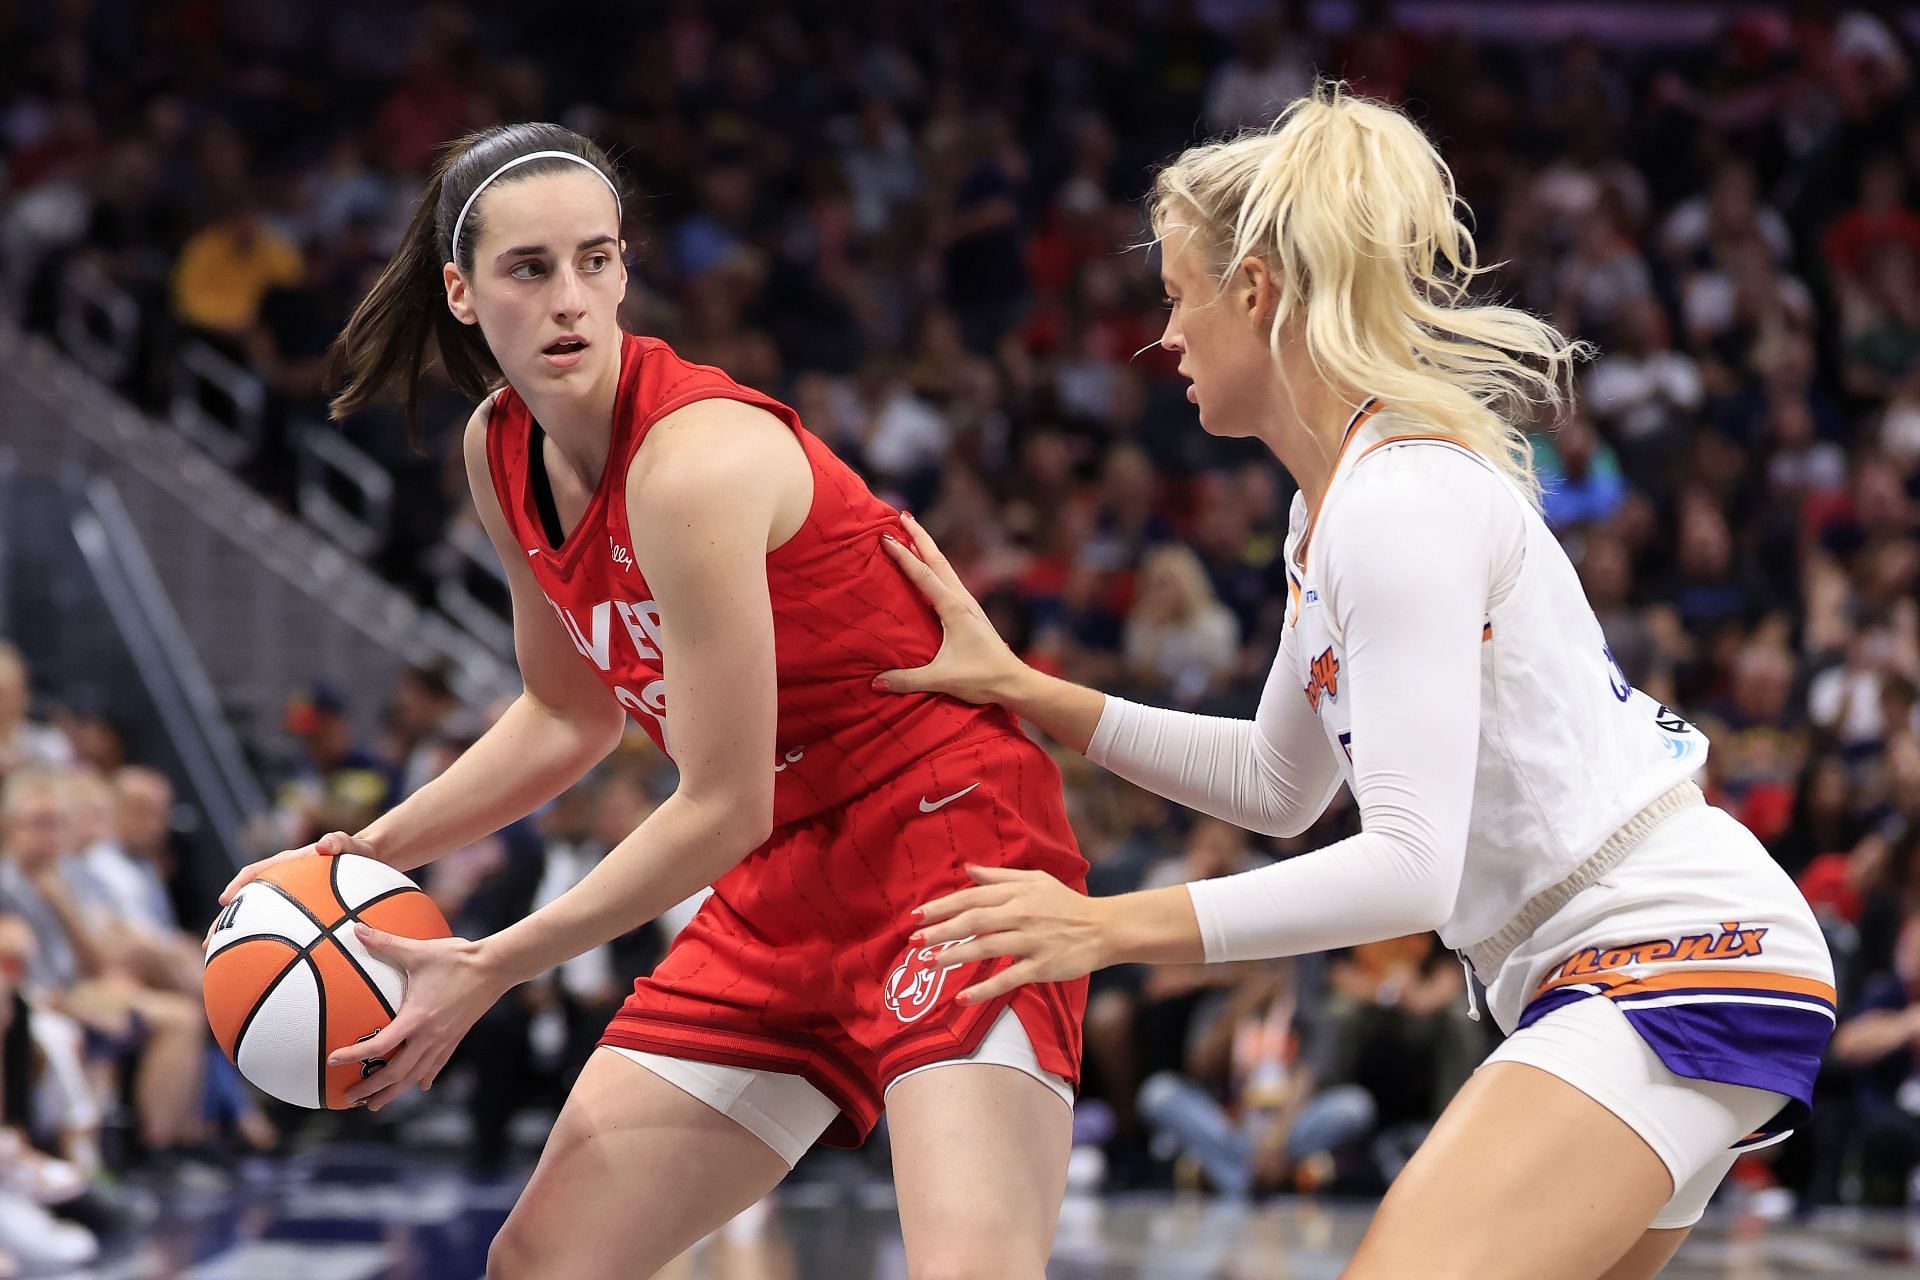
306	956
333	884
261	1001
300	906
365	977
320	1041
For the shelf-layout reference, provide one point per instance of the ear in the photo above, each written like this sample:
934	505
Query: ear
1258	291
459	297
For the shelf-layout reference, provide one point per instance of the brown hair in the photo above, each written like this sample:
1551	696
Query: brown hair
384	346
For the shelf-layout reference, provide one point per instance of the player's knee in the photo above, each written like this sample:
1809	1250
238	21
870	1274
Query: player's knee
510	1256
973	1261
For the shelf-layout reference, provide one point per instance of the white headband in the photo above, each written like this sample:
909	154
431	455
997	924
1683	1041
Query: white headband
461	221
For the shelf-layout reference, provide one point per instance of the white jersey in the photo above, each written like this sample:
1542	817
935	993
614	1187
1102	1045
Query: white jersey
1441	659
1568	749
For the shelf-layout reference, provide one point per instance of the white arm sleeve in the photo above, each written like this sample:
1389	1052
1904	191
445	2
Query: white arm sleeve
1273	774
1408	563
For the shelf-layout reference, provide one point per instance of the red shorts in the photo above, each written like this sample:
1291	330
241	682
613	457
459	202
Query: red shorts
799	961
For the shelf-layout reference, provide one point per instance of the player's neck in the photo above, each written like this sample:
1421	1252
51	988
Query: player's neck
581	426
1311	418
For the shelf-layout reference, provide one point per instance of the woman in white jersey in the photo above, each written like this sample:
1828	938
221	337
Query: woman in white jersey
1665	987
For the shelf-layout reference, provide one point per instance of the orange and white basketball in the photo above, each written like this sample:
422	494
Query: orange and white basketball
287	982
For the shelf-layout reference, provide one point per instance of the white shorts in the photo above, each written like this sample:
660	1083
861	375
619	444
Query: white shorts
1690	1124
789	1115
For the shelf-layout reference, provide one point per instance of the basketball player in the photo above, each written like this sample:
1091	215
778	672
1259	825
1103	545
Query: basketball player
682	551
1665	987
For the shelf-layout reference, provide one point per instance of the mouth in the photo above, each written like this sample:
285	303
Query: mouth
565	350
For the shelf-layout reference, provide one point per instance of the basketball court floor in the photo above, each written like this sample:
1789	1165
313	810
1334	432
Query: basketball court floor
374	1213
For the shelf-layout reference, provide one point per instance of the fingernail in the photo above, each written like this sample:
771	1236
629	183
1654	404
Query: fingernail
963	998
880	682
916	939
908	517
890	538
919	913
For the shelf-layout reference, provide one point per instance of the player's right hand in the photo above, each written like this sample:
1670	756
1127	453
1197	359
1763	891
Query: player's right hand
974	663
334	842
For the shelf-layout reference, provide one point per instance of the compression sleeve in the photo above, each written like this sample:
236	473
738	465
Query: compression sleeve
1273	774
1408	558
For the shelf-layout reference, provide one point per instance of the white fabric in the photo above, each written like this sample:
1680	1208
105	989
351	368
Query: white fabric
1486	764
789	1115
1690	1124
1692	874
63	1100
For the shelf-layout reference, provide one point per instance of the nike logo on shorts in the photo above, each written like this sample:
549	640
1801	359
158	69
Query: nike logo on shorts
928	806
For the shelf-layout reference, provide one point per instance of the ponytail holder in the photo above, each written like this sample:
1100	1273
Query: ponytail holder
581	160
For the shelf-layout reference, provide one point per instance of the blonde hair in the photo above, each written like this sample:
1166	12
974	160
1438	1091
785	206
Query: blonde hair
1183	569
1354	211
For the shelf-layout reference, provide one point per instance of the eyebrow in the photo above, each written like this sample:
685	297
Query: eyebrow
529	250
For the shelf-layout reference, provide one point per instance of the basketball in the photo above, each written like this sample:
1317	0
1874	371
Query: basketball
287	982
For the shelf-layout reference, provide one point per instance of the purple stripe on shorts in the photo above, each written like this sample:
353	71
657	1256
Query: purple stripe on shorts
1761	1046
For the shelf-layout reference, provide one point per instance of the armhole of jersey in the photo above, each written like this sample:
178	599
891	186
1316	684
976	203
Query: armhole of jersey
784	414
1501	482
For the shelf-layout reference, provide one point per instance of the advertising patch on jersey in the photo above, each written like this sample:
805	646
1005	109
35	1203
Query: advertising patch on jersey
917	981
1676	735
1323	679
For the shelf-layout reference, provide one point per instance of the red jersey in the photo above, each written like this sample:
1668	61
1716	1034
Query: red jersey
842	611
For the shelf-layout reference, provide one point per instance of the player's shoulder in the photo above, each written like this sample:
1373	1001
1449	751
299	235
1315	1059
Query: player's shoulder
474	437
1416	474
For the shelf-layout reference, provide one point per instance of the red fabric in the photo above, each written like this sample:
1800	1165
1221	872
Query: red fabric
1827	885
842	610
799	962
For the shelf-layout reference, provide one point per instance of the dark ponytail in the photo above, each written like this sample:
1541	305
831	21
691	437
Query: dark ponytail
384	345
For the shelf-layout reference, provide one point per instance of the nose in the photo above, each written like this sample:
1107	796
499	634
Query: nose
569	296
1171	338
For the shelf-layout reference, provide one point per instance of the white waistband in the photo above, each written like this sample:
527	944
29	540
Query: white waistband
1489	954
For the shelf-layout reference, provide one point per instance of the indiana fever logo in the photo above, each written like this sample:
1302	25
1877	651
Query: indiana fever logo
1324	678
1730	943
914	986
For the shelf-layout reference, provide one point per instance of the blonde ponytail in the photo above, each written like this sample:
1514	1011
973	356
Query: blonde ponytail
1354	211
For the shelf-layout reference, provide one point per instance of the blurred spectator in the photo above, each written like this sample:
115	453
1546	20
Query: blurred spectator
226	270
1642	390
1580	478
1398	1023
1251	1108
1266	72
77	969
338	785
24	743
1179	636
1878	1041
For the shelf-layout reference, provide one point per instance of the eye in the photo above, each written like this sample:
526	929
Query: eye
596	262
527	270
1169	302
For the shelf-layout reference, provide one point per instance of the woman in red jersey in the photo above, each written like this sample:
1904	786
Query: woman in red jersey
681	549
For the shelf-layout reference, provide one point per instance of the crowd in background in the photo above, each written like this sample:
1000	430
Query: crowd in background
921	225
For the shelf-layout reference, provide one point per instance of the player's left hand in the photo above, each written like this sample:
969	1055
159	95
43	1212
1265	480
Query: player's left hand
448	988
1053	932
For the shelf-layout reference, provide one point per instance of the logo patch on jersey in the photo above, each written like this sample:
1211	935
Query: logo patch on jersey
1323	678
621	556
1674	733
1731	942
917	982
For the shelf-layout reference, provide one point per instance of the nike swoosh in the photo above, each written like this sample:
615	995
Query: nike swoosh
929	807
